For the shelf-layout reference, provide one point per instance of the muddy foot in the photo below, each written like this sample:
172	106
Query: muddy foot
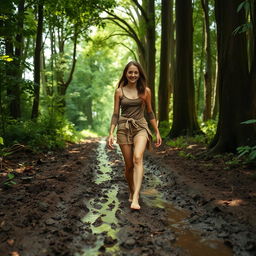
135	205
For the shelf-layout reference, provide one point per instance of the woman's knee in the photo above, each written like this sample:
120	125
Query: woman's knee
137	159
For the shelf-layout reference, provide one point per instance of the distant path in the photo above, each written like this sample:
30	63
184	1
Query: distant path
76	203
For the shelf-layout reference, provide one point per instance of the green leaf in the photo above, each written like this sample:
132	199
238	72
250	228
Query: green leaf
10	176
245	5
1	141
251	121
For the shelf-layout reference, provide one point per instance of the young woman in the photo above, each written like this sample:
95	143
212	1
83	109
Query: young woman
133	134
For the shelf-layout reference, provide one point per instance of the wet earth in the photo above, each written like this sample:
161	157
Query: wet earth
75	202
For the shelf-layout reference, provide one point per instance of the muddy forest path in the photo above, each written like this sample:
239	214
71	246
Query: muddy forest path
75	203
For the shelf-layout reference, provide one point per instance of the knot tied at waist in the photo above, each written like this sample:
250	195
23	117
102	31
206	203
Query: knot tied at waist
132	126
131	122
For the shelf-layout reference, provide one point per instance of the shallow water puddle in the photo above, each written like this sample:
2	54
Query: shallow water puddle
187	238
102	209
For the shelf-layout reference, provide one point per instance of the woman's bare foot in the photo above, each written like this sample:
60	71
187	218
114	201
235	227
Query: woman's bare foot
135	204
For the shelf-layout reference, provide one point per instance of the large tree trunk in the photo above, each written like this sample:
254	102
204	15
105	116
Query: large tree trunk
15	71
164	79
208	67
172	48
184	116
37	62
150	48
199	76
236	95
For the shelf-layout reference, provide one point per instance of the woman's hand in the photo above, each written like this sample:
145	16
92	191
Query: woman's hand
158	140
110	141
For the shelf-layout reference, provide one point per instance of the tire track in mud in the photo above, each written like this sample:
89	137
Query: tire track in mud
187	226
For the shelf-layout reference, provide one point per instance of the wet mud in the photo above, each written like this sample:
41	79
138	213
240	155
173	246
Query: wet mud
76	203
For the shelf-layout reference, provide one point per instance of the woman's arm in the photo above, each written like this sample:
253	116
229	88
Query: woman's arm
152	118
114	119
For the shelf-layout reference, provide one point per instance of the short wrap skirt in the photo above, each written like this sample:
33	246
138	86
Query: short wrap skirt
129	128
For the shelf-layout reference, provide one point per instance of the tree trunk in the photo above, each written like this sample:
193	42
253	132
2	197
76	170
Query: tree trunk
63	85
236	95
184	117
151	49
172	49
199	82
15	72
216	93
37	62
208	67
88	112
164	79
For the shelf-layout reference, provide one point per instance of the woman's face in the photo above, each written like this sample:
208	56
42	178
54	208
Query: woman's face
132	74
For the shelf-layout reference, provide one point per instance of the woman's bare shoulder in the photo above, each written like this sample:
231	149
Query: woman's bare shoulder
147	90
118	92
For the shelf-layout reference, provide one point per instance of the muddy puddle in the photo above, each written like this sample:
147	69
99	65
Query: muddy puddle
102	209
187	238
105	225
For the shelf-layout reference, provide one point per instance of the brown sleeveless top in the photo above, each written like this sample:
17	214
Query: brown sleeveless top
132	108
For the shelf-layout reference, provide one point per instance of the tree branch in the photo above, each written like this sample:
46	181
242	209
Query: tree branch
144	14
130	31
73	59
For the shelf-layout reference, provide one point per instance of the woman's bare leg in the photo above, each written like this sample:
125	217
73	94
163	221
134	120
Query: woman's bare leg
127	151
140	143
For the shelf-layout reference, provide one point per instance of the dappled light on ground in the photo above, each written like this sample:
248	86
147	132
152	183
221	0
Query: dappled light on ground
232	202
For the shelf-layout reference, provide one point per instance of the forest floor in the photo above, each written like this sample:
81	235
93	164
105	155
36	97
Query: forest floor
75	202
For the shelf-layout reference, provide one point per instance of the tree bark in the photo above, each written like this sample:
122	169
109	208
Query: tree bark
15	69
151	49
164	79
208	67
236	92
37	62
63	85
172	49
216	93
184	115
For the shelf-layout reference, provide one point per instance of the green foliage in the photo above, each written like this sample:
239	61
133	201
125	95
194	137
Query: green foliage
88	133
180	142
164	128
47	133
248	152
209	129
233	162
91	93
9	180
186	155
251	121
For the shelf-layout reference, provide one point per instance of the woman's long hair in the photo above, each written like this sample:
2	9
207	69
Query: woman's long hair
142	81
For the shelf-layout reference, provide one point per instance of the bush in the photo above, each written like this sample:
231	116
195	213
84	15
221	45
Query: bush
45	134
